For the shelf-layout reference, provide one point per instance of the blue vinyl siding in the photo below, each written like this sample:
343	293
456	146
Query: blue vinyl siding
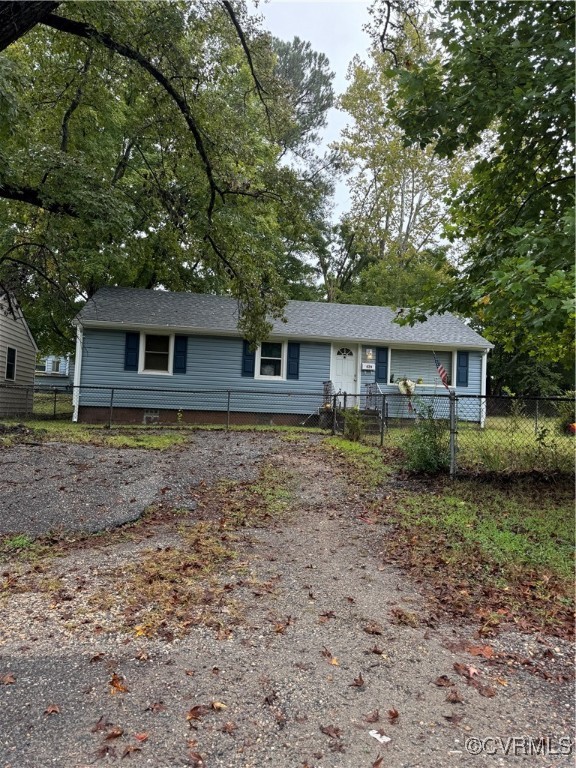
212	363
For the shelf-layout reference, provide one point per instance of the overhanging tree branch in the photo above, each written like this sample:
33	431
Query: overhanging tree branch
34	197
88	32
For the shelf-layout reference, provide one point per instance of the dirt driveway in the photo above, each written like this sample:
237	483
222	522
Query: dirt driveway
301	648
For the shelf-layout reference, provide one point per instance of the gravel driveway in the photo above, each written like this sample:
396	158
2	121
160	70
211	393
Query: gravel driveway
313	669
62	487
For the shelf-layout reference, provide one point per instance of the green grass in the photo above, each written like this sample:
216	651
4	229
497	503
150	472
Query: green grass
505	445
508	547
45	405
364	461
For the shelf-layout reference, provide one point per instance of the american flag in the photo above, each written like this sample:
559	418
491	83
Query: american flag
441	371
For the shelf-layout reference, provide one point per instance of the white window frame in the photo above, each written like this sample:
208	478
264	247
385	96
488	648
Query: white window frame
434	385
142	354
283	362
15	364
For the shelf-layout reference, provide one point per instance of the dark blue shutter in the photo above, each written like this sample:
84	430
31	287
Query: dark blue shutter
462	369
382	364
131	350
180	353
293	370
248	360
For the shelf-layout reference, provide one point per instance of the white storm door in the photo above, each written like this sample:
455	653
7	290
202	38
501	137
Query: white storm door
345	368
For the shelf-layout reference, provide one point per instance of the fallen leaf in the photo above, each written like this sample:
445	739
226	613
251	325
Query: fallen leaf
97	657
481	650
191	672
117	684
229	727
465	670
218	705
358	682
52	709
143	736
372	717
327	615
455	719
334	661
373	628
486	690
378	762
443	682
114	733
7	679
196	760
454	697
331	730
158	706
197	712
375	649
393	715
130	749
501	681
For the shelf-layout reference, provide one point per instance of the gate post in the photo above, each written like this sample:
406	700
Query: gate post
382	422
334	398
453	434
111	407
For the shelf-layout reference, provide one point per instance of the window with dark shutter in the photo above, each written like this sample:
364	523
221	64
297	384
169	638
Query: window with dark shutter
293	369
382	364
131	351
462	369
180	353
248	360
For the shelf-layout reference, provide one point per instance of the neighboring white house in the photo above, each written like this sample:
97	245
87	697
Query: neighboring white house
18	352
54	371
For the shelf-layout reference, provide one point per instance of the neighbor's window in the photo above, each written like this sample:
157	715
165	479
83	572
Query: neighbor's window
41	366
269	359
157	353
56	365
10	364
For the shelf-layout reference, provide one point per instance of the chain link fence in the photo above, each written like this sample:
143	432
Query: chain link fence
478	434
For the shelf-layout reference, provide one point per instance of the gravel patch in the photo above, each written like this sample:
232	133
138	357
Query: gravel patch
62	487
322	669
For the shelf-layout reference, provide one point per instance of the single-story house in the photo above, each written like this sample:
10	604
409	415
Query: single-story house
145	352
17	360
54	372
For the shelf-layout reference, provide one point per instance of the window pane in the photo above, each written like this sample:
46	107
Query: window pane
271	349
270	367
157	343
156	361
11	364
55	366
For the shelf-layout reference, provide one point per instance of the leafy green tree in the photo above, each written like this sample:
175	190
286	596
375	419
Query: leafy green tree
141	144
397	192
503	90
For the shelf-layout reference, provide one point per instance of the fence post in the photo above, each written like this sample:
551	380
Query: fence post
228	410
382	422
111	407
453	433
334	397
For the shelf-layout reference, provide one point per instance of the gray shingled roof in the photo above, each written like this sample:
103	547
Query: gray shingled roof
201	313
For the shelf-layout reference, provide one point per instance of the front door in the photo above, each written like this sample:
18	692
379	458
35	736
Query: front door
345	368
